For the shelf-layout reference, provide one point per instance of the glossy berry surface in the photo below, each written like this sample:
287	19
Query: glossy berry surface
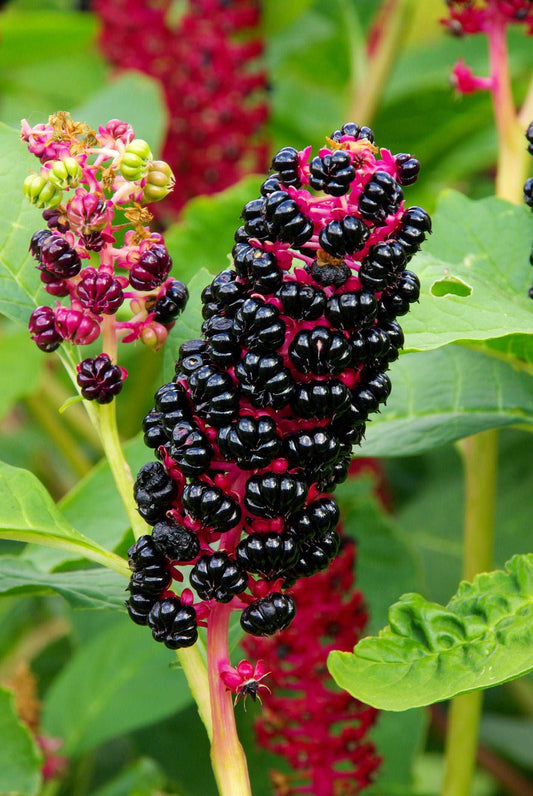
218	577
268	615
99	380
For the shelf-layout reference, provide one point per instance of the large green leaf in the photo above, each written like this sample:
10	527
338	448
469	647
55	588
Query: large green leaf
22	364
203	238
429	653
118	682
133	97
20	759
83	588
28	514
440	396
473	272
20	286
96	508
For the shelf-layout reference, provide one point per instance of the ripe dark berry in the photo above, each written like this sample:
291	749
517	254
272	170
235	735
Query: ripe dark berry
174	541
154	431
285	162
272	495
190	449
224	292
333	173
100	380
369	344
529	136
264	380
56	219
352	310
395	336
259	326
154	492
152	268
321	399
253	215
316	519
408	168
315	556
58	257
312	450
396	300
139	606
330	272
150	581
303	302
380	198
43	329
265	616
211	506
354	131
267	554
378	383
144	553
218	577
214	394
380	267
53	285
252	442
168	307
173	623
265	275
270	185
346	236
414	226
528	193
285	220
37	240
223	345
320	351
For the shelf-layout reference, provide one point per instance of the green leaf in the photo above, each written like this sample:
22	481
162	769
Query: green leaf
473	273
141	778
133	97
89	588
189	324
22	364
429	653
20	759
116	683
203	238
443	395
28	514
20	286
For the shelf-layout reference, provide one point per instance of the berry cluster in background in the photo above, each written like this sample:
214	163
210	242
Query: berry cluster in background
97	250
475	16
257	427
320	731
528	188
208	65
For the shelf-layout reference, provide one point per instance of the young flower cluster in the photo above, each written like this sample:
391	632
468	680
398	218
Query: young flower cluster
319	731
92	186
207	63
490	17
528	188
257	427
476	16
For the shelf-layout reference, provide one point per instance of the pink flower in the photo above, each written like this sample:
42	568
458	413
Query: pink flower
244	680
465	82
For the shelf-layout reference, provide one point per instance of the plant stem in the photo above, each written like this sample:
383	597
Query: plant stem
193	666
387	32
480	465
227	755
512	153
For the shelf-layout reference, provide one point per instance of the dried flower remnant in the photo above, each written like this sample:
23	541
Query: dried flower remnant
257	427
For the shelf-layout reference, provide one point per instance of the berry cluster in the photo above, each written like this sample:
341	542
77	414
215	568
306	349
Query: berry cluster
92	185
207	64
528	188
257	427
476	16
320	732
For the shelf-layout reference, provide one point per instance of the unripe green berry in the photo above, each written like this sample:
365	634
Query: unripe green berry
135	160
159	181
41	192
65	173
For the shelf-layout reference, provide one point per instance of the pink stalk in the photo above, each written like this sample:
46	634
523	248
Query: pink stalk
227	754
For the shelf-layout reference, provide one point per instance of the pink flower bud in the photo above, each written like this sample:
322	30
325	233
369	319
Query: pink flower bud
88	212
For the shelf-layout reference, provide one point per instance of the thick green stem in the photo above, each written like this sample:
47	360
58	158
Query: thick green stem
227	755
480	455
195	671
388	31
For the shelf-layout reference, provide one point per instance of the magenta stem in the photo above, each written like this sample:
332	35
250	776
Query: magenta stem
227	755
